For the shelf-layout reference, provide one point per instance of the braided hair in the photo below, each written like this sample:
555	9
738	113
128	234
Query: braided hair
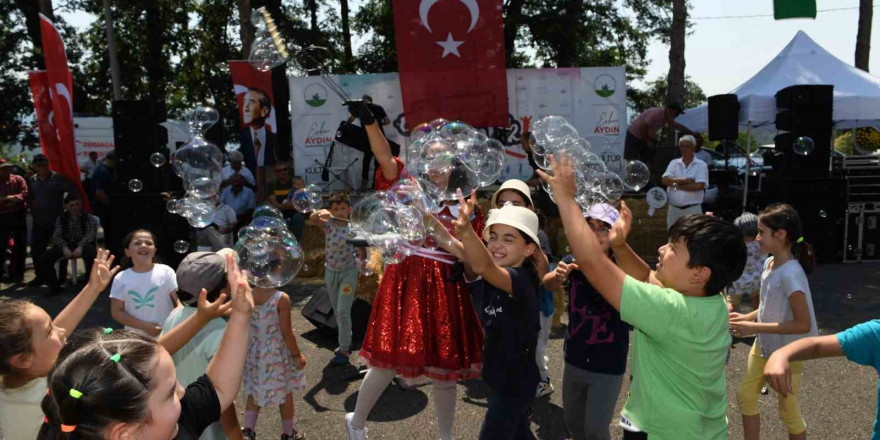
101	378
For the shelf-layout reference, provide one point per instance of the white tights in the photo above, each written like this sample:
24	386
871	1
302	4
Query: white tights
377	380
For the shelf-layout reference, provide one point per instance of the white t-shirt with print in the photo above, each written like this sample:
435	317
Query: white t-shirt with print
777	285
147	295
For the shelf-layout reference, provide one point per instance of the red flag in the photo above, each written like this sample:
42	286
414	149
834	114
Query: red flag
39	83
59	82
451	60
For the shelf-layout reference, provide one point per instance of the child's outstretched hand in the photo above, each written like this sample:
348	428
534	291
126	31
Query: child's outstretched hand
210	310
465	211
300	361
562	182
777	372
242	297
103	270
563	270
620	229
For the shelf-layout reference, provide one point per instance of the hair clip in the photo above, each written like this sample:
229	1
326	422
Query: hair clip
67	428
800	240
116	357
108	330
76	394
45	420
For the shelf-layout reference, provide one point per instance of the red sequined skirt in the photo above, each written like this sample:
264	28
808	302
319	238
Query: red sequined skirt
422	324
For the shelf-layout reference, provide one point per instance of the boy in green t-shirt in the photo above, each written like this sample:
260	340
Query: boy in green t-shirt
680	336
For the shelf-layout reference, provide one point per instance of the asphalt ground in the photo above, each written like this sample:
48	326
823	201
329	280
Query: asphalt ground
838	397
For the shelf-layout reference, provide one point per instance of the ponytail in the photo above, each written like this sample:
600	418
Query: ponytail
782	216
104	378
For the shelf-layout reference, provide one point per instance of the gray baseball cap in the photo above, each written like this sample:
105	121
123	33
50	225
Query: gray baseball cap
200	270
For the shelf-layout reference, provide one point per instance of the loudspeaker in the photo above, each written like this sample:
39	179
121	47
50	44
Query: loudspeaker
723	117
353	136
319	311
136	135
145	210
804	111
821	205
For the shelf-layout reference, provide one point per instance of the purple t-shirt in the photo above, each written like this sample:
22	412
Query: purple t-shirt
651	119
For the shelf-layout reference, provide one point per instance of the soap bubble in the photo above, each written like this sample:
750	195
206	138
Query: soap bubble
202	187
135	185
307	199
267	210
157	159
198	158
437	123
171	206
181	246
200	119
440	165
264	54
636	175
823	213
272	258
394	227
491	169
198	212
364	267
803	145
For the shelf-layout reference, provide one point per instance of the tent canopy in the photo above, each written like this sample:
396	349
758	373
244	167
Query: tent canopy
802	62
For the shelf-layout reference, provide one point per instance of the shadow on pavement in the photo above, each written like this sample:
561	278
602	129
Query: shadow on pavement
549	420
394	404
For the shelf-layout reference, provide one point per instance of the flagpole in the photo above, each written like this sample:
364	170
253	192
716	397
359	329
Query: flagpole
111	49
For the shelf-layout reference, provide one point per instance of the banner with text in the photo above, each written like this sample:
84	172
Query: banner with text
593	99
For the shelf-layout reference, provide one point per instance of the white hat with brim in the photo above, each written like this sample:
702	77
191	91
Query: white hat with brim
523	219
516	185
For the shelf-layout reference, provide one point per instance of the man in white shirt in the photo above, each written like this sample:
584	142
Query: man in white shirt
87	166
240	198
236	158
218	234
686	179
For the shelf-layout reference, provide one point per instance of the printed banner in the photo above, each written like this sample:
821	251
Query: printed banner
593	99
258	140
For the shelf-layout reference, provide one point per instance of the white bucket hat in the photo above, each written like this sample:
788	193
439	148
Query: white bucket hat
516	185
603	212
523	219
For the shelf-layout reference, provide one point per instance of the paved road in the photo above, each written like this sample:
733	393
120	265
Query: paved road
839	398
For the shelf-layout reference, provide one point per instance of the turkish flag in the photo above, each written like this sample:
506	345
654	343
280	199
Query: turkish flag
451	59
59	82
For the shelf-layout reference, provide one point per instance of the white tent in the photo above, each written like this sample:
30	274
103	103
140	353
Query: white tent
856	93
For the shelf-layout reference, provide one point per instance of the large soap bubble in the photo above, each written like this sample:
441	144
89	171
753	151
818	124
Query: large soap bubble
307	199
636	175
803	145
272	257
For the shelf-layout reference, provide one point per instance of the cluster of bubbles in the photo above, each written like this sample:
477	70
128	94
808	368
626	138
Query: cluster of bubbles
306	199
267	50
268	251
199	164
443	157
553	135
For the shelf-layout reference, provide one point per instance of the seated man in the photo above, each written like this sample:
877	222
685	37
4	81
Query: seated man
220	233
74	237
236	158
240	198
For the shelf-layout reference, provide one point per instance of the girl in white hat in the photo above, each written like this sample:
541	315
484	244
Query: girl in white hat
506	266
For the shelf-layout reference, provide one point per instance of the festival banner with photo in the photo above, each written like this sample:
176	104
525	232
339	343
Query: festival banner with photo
593	99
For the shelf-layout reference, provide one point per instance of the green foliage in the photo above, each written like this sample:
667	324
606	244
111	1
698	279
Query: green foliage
655	95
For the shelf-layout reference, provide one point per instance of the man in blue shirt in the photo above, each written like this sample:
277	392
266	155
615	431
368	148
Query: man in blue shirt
860	344
240	198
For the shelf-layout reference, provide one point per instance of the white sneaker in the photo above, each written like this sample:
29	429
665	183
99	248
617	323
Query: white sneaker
354	433
544	389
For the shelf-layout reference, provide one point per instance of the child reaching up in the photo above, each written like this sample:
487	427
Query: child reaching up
122	384
274	366
509	279
143	295
784	315
680	335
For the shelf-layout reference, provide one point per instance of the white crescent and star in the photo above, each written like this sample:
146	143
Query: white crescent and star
450	46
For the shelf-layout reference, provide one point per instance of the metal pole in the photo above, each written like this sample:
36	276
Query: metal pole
748	167
111	49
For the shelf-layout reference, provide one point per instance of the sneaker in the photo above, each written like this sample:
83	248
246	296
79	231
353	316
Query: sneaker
248	434
339	359
354	433
295	436
544	389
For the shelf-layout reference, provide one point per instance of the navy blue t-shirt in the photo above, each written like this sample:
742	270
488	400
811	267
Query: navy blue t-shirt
596	339
512	327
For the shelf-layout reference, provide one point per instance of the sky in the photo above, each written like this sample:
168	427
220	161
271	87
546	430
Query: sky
723	53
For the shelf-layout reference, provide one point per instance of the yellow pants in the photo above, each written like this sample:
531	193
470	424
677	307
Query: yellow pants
750	389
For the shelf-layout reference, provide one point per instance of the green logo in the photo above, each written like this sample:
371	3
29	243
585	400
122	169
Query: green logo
144	301
315	95
605	85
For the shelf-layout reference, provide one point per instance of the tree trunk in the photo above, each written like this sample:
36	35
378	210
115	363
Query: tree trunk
675	78
565	55
513	20
111	52
313	21
46	9
31	11
863	37
246	29
155	62
347	61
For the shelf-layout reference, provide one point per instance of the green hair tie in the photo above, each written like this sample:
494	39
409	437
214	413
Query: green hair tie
800	240
108	330
116	357
76	394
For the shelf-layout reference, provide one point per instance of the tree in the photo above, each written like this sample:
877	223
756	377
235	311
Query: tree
379	52
347	60
863	36
675	79
654	95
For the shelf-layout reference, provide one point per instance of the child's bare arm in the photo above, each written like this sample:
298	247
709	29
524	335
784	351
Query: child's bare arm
556	278
229	422
118	313
474	251
287	331
802	322
178	336
626	258
604	275
101	276
777	371
319	217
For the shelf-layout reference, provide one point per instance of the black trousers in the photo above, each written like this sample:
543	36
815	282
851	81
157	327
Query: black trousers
50	257
40	237
14	225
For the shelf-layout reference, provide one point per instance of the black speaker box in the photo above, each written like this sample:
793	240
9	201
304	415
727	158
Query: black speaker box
805	111
821	205
146	210
137	135
319	311
723	117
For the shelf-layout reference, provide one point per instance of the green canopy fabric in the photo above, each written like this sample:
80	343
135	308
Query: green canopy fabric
784	9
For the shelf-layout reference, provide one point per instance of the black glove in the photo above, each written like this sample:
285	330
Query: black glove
360	110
